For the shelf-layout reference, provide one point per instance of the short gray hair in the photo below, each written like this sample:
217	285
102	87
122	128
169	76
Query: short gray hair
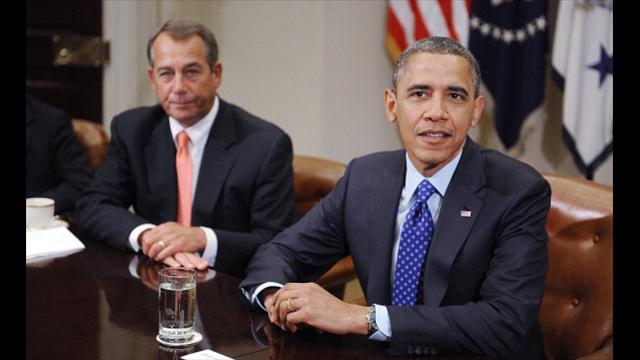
181	29
442	46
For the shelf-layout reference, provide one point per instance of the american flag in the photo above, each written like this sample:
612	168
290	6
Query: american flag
412	20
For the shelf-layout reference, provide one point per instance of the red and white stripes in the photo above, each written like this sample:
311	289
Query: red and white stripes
412	20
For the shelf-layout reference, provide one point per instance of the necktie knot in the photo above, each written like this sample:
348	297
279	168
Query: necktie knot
183	139
425	190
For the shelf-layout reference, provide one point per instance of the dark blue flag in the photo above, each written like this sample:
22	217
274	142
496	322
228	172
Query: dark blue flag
509	39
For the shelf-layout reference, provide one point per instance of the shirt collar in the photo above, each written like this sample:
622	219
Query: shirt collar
200	130
440	180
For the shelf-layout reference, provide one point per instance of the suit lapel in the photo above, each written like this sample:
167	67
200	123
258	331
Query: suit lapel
382	210
217	161
160	155
452	228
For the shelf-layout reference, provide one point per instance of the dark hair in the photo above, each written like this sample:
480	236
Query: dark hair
183	28
438	45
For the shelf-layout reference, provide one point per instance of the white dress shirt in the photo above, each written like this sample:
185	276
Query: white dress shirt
198	134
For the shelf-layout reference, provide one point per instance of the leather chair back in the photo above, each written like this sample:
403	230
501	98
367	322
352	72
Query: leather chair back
94	140
313	179
576	314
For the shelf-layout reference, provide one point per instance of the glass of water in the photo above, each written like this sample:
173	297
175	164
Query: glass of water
177	303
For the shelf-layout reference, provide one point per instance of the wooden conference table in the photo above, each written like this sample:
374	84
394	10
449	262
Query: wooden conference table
88	305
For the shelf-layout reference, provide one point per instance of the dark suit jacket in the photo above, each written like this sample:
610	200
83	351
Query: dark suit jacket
484	274
244	190
56	165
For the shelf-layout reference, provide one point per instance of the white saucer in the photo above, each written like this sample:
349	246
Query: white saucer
197	337
57	223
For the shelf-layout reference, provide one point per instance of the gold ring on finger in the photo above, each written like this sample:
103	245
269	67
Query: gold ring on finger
289	306
161	243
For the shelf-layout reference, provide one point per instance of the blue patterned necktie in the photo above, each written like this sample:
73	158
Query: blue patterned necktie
414	240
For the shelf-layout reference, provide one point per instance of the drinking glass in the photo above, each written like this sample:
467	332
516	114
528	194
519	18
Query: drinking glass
177	303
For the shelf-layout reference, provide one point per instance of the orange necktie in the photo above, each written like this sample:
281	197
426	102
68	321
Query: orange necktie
183	169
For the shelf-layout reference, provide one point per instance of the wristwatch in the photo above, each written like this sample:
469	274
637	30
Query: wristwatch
371	321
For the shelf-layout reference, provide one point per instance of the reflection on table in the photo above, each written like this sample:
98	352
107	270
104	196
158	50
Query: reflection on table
103	304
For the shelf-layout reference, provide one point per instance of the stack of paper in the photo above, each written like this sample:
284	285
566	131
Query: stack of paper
53	242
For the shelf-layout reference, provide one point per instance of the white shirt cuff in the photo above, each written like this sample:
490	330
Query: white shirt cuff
384	324
211	248
254	295
135	234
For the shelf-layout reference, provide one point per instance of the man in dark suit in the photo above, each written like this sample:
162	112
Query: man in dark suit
236	191
56	165
448	239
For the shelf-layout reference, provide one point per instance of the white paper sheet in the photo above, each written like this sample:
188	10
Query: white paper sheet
53	242
206	355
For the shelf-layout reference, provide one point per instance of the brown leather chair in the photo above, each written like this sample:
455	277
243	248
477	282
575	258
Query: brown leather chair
576	314
94	140
313	179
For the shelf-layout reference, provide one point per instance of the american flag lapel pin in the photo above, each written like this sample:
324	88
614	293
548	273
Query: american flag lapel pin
465	213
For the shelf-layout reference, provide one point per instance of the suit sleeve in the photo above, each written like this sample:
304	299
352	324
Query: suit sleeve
102	211
272	210
71	171
498	322
304	251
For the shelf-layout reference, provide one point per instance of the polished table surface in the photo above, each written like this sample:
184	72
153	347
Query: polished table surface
89	305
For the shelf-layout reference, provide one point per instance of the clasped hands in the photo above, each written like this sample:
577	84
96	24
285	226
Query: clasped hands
174	245
309	303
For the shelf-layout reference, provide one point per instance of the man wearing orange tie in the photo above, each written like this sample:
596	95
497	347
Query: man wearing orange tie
208	182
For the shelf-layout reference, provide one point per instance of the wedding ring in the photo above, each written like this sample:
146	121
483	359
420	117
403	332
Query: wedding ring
289	306
161	243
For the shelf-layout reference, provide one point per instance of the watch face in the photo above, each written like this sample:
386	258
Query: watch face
374	324
371	320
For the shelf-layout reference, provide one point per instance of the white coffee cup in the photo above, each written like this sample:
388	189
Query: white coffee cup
39	212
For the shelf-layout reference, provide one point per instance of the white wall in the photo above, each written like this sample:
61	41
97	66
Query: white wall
126	25
317	69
